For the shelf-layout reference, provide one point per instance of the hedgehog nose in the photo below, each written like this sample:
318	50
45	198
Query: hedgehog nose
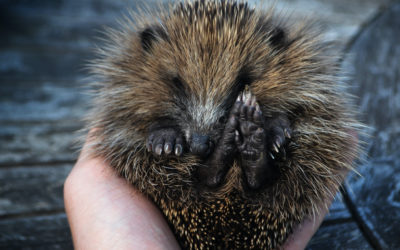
201	145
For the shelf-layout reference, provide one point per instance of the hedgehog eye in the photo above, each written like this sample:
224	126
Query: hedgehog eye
177	82
222	119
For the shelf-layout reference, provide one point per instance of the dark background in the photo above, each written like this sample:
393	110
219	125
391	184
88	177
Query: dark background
44	45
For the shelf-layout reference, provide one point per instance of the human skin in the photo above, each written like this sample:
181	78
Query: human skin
106	212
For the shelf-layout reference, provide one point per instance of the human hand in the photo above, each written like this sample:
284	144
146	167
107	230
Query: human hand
106	212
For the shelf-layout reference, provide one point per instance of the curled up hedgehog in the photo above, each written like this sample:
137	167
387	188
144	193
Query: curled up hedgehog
233	121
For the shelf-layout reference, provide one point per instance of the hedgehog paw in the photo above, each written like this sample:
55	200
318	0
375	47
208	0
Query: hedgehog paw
250	139
279	133
166	140
212	172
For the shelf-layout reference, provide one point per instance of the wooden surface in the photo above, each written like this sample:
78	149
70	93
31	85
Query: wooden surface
43	48
376	196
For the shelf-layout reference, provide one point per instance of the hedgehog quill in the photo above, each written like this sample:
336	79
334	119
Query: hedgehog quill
232	120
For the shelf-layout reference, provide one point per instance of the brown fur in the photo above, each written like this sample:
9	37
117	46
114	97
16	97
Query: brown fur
289	70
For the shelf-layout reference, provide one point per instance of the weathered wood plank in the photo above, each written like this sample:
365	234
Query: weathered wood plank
42	142
41	232
39	120
341	19
44	64
62	24
376	66
88	9
339	236
40	101
32	189
67	32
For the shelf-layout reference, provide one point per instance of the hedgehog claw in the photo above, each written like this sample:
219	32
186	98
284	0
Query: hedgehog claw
272	156
237	137
167	148
275	148
287	134
148	147
178	150
278	143
159	149
279	133
164	140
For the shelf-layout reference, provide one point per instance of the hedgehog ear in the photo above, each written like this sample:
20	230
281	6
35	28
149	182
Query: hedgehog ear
151	35
277	37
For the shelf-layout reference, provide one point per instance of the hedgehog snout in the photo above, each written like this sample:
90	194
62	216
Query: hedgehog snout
201	145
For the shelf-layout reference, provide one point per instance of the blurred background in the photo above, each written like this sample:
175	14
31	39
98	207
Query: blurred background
44	45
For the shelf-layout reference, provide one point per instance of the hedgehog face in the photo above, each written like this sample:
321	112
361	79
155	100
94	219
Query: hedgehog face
200	72
185	72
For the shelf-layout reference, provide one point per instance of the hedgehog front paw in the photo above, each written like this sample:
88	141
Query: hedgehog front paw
250	139
279	133
166	140
214	169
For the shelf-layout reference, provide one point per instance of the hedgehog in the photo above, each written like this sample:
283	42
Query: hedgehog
233	120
